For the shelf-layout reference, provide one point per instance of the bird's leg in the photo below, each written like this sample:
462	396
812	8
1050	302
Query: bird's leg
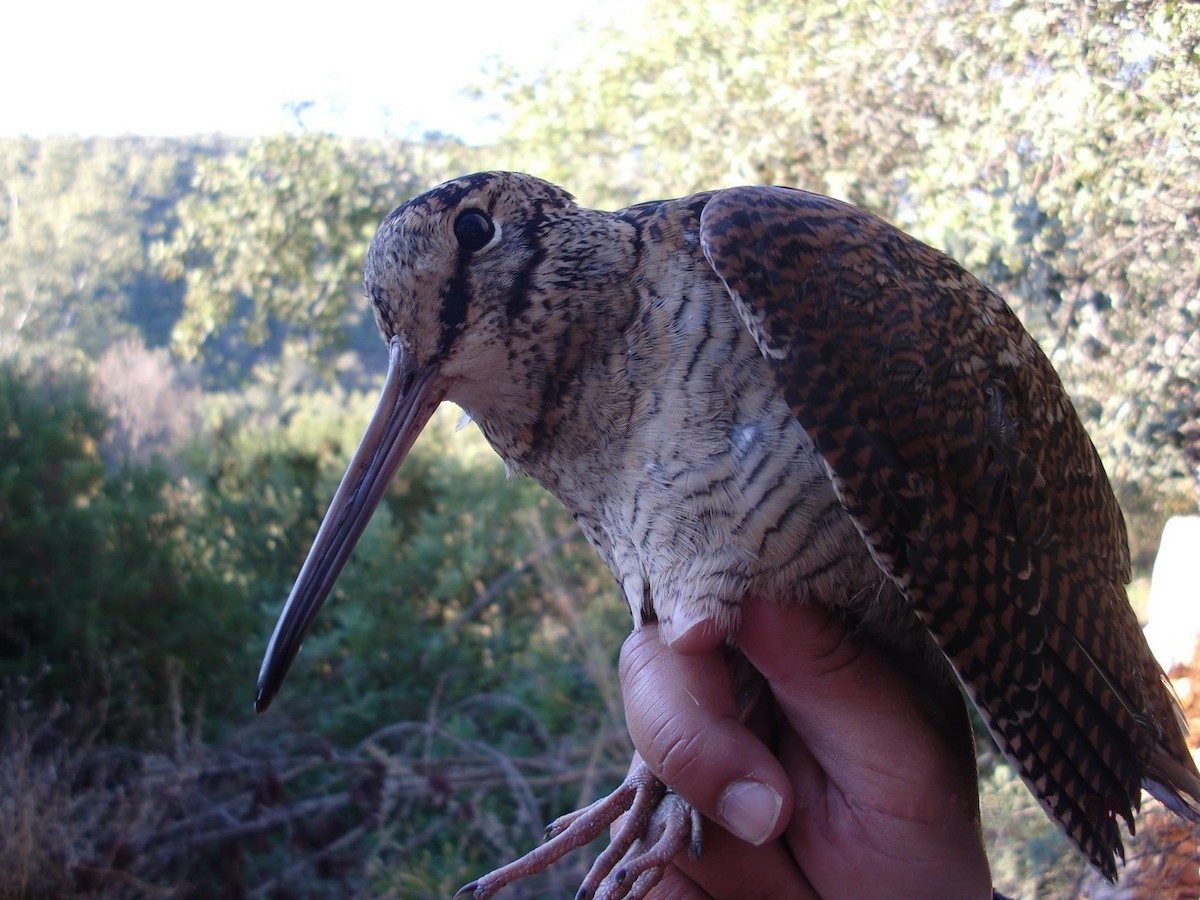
640	798
658	824
638	857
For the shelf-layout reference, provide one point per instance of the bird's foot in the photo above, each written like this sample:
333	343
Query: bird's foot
658	826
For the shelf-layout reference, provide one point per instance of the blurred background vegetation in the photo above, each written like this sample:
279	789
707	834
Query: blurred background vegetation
186	365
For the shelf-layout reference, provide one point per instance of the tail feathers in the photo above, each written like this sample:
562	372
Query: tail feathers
1174	782
1101	727
1083	779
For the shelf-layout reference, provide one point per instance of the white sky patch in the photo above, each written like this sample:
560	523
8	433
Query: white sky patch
369	68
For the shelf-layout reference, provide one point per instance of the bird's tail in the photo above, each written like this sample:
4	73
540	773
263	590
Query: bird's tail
1171	775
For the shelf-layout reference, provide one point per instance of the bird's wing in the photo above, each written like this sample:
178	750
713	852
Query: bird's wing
956	450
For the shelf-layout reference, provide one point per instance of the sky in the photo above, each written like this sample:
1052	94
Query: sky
368	68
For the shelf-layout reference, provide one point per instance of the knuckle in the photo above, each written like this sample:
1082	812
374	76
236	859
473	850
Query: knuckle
676	749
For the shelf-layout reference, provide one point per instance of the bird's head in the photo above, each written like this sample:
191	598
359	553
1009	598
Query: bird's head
455	275
478	287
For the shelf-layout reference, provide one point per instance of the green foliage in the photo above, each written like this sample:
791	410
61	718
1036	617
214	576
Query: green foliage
51	481
96	581
75	222
283	223
401	630
149	531
271	241
143	601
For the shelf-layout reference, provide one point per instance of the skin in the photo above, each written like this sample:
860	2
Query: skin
876	784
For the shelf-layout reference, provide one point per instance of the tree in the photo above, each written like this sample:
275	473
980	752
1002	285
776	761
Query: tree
153	413
100	587
270	244
75	220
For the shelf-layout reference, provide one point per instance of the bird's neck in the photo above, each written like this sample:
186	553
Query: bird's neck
579	391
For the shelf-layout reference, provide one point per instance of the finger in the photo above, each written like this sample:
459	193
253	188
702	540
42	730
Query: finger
882	781
676	885
729	867
684	721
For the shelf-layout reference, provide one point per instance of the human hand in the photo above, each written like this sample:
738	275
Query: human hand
869	791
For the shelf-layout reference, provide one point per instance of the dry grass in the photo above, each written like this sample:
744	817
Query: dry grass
274	813
72	812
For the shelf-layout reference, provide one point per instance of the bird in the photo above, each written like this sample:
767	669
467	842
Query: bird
760	391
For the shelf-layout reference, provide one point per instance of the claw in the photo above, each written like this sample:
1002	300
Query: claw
673	826
648	792
657	827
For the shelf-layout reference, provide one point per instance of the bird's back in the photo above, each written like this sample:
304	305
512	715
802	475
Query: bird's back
954	446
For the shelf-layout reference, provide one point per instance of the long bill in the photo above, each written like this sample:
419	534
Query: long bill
409	397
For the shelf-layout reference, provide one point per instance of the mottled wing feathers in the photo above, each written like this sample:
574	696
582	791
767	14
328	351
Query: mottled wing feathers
955	448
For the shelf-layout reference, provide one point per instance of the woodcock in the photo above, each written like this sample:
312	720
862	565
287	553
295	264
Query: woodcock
759	393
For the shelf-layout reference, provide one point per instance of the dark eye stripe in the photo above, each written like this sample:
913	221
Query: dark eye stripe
518	295
456	298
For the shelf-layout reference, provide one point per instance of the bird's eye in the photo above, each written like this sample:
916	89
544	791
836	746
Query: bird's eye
473	229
